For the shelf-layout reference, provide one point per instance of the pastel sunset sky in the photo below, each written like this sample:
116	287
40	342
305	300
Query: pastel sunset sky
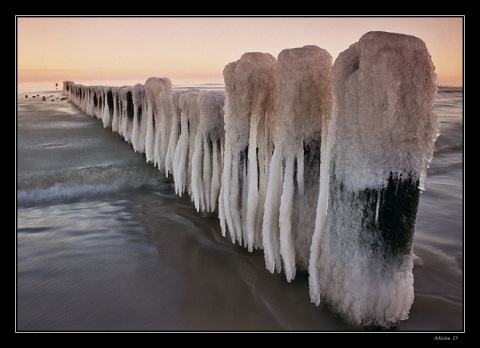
83	49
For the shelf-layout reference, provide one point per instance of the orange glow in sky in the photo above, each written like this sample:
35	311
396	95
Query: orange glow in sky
198	48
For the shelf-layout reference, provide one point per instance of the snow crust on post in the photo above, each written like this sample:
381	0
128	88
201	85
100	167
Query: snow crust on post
249	110
380	143
207	160
303	99
153	87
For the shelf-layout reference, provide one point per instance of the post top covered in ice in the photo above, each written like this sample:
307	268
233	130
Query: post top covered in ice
211	114
385	85
251	70
250	91
155	85
303	87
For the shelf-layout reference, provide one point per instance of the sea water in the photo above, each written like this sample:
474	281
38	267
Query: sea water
103	243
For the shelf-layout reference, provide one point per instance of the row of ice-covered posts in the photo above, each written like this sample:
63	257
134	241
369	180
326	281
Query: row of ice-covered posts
154	119
319	165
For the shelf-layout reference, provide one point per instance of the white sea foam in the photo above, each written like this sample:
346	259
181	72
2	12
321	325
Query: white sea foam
78	183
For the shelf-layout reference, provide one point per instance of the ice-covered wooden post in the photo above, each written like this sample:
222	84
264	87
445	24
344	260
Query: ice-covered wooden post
249	112
207	160
153	87
380	143
304	102
139	127
172	116
182	161
162	129
67	85
126	113
107	112
116	117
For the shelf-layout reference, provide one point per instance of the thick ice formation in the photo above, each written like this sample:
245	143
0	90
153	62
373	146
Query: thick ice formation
139	129
182	163
303	99
380	142
207	160
126	113
162	129
98	102
74	92
116	118
249	111
153	87
118	109
91	101
175	131
67	88
107	112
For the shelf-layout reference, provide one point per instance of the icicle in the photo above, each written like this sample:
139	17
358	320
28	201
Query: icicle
270	227
198	186
216	174
377	208
236	184
252	199
318	238
287	249
206	174
223	202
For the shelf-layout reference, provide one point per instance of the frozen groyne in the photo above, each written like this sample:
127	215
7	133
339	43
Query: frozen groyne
320	164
